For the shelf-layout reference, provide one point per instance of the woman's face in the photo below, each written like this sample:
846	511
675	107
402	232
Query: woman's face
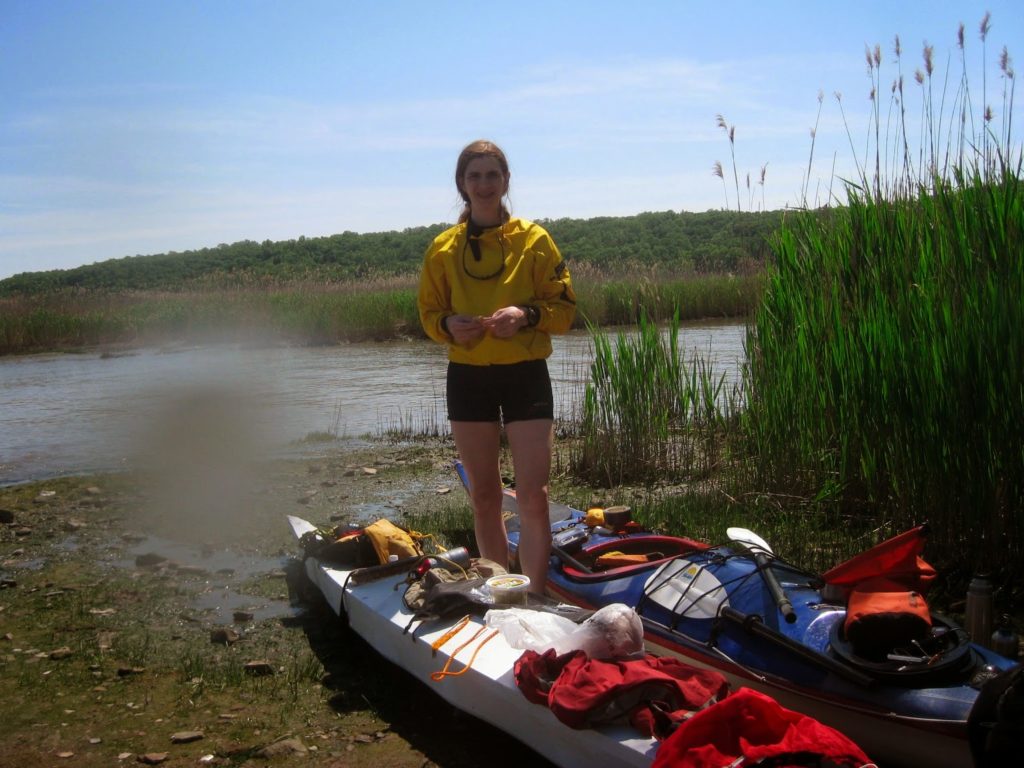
485	184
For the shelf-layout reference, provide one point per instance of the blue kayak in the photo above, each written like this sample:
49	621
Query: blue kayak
772	626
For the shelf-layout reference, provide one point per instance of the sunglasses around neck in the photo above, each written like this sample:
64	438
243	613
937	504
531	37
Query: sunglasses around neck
480	266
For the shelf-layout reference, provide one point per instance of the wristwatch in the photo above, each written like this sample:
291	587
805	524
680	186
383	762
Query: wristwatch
532	315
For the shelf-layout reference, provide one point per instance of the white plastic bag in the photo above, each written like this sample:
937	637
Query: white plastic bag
613	632
530	630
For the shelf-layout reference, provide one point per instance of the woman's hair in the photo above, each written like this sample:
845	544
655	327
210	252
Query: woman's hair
478	148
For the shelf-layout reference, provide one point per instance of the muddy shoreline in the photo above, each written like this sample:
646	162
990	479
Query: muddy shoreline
139	627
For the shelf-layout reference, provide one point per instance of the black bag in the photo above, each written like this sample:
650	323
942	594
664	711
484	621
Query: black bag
441	593
348	549
994	726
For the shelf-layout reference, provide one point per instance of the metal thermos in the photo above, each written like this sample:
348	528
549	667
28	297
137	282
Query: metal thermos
1005	641
459	556
979	610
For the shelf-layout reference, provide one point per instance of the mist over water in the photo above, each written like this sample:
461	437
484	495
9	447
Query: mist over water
210	410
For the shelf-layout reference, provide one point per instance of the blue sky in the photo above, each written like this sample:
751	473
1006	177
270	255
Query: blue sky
146	126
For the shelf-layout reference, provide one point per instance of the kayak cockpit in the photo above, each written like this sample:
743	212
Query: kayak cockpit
622	557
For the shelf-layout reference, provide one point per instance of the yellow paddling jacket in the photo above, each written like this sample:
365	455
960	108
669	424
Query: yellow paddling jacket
517	264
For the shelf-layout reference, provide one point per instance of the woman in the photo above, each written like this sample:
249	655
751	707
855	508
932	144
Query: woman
494	288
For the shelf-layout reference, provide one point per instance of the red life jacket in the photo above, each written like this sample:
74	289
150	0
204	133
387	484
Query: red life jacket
897	559
651	693
884	588
750	728
882	615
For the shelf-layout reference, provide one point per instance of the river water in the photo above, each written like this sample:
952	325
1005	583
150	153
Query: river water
77	413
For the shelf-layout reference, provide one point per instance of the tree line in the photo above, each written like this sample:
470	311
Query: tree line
700	243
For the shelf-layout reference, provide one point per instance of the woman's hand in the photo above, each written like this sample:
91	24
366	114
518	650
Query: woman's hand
505	322
465	329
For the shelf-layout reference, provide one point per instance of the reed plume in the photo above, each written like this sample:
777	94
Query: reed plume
730	131
716	170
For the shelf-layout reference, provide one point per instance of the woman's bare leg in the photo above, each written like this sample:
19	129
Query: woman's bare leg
477	443
531	442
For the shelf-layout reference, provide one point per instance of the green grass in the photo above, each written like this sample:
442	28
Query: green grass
889	365
321	312
646	414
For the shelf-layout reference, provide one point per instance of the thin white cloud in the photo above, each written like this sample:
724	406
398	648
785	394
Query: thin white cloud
114	170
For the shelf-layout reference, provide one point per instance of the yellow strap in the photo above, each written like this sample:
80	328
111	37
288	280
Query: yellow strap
438	676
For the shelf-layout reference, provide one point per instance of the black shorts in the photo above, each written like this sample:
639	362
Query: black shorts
513	392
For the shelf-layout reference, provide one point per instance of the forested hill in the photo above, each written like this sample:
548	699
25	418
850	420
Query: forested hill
714	241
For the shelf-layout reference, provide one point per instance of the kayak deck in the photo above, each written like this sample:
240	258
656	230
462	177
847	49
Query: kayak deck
487	689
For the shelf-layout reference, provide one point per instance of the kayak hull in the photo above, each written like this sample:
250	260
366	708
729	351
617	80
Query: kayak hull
903	741
901	719
487	689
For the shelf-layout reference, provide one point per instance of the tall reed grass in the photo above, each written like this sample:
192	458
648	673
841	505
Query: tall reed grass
321	311
646	414
649	291
886	361
888	364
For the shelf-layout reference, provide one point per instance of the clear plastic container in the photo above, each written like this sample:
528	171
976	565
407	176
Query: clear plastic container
509	589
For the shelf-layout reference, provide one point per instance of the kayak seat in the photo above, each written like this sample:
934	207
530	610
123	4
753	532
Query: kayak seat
628	555
947	643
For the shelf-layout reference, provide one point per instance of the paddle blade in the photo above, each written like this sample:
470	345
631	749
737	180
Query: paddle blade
749	539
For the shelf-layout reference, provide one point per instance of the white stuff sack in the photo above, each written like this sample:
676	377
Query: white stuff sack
614	631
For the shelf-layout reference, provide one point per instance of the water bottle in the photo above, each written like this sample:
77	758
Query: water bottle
979	610
452	559
1005	641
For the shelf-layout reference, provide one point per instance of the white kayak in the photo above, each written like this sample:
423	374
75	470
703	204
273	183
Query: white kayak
487	689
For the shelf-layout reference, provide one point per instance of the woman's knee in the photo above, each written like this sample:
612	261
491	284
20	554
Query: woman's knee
486	501
533	501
